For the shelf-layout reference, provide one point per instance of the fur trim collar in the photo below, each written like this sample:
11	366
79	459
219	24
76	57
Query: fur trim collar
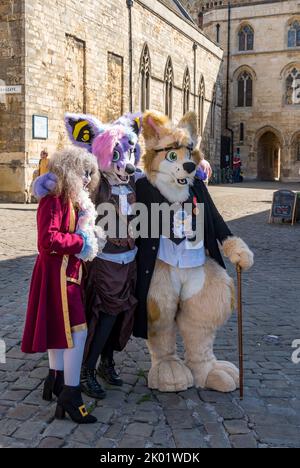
86	224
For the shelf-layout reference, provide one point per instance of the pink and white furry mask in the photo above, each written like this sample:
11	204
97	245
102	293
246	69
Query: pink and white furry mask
115	145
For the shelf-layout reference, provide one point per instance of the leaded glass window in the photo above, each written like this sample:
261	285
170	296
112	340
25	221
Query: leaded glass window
246	38
294	34
292	93
245	90
145	71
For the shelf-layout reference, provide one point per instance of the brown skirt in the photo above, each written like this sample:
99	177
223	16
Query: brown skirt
110	288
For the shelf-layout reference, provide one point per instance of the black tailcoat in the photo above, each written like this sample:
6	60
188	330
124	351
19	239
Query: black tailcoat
215	229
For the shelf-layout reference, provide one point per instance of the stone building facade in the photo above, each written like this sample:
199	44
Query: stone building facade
102	58
12	106
261	82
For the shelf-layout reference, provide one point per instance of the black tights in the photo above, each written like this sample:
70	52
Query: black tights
102	341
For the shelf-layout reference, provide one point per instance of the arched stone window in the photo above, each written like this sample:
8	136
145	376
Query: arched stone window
245	90
213	114
169	84
186	91
292	87
294	34
201	105
298	148
218	30
246	38
295	148
242	132
145	71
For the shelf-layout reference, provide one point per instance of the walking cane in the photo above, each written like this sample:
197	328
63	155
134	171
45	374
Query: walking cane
240	331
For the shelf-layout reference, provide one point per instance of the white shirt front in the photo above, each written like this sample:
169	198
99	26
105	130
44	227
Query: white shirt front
124	258
184	255
120	258
122	191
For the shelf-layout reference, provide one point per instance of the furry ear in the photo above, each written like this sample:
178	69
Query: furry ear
197	157
138	152
154	126
189	122
83	129
136	125
132	124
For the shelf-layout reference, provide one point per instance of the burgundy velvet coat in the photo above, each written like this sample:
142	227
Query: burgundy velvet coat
48	323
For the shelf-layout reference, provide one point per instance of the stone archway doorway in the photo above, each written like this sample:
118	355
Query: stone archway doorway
269	157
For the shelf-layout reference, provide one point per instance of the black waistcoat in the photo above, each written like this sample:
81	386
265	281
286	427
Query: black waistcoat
105	195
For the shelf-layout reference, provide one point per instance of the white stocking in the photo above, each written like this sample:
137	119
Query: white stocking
56	359
73	359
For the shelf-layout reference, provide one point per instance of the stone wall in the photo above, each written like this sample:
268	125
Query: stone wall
194	7
68	65
268	63
78	59
75	71
164	40
12	106
115	88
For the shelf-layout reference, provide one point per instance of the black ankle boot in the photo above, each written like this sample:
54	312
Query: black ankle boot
70	402
53	385
59	383
90	385
107	372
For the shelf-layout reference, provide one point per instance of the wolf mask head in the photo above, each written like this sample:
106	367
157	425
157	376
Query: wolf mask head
172	153
115	145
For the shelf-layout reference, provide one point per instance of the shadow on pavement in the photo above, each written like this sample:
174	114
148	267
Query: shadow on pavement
264	185
15	275
17	209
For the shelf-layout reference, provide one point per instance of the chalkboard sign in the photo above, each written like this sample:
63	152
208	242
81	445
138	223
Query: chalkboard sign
285	206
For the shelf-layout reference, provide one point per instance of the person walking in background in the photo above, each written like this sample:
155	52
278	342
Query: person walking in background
237	169
41	170
204	171
44	162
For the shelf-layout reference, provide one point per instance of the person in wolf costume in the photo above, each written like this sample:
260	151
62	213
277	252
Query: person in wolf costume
178	287
110	286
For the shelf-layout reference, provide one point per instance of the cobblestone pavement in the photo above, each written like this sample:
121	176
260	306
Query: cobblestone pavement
137	417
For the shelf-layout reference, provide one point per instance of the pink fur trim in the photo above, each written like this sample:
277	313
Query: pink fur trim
104	145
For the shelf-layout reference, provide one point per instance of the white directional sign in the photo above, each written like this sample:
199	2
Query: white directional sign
10	89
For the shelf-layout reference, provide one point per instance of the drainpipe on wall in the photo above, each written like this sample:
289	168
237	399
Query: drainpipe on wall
195	47
129	6
227	82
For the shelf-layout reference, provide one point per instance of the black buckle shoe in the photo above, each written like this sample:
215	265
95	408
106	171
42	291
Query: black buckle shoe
90	385
59	383
70	402
107	372
53	384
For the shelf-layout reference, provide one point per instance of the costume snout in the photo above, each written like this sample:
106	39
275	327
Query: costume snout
130	169
189	167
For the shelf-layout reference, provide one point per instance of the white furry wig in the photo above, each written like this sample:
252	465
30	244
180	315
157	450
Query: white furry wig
70	165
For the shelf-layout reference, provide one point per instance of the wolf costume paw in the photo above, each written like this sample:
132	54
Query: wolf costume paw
90	246
44	185
224	377
238	252
201	174
170	375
